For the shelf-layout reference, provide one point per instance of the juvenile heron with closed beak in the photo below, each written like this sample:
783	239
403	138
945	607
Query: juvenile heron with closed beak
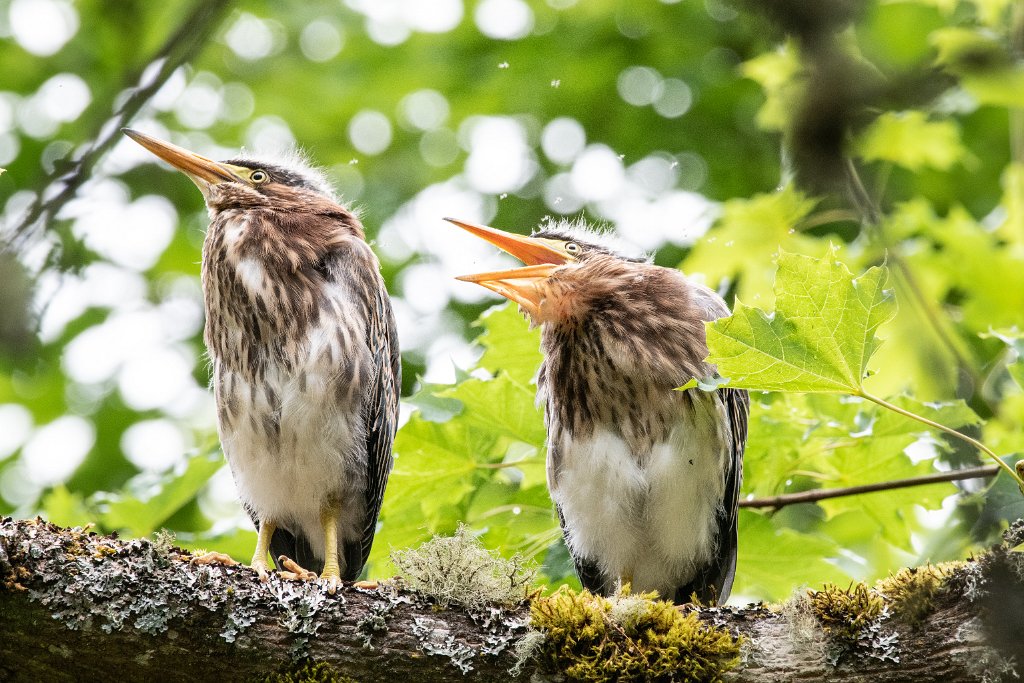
306	370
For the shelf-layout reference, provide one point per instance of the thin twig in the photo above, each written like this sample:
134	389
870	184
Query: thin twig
824	494
948	430
63	183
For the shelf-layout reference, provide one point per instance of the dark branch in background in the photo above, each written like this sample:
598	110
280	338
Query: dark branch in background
824	494
63	183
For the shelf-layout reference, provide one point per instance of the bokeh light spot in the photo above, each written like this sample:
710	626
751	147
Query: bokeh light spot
42	27
675	100
321	40
563	139
424	109
56	450
370	132
504	19
639	85
154	445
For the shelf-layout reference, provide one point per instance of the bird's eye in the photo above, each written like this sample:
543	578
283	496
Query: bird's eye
258	176
572	248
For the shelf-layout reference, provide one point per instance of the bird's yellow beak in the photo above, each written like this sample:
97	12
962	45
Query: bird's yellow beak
522	285
204	172
530	250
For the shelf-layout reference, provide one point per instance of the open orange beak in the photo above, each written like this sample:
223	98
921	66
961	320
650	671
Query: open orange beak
522	285
204	172
530	250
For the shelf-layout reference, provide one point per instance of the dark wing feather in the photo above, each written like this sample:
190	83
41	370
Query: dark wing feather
713	582
380	414
297	548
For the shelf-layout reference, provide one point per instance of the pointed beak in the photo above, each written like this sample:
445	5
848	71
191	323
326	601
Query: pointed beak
525	285
204	172
530	250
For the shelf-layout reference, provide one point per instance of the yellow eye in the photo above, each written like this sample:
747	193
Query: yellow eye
258	176
572	248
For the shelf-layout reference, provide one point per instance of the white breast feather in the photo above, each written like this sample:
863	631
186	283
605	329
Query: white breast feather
320	452
655	522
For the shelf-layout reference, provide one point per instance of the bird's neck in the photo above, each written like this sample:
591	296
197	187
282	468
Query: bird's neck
268	292
618	371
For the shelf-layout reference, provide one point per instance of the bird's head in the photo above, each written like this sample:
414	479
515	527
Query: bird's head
243	183
568	269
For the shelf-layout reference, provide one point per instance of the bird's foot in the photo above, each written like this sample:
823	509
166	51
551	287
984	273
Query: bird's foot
293	571
214	558
331	579
366	585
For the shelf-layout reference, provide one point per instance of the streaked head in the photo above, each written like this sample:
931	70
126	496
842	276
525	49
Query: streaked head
566	268
242	182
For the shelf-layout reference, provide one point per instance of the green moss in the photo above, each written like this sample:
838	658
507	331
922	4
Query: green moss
911	592
310	672
458	570
631	638
846	613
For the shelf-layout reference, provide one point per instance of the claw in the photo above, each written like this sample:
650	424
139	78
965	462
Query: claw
293	571
214	558
366	585
332	581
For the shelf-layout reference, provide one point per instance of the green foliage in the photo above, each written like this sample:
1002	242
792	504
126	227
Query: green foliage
912	141
629	638
820	337
930	150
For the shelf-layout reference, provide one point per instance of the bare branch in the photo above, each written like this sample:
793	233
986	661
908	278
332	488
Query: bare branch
63	183
824	494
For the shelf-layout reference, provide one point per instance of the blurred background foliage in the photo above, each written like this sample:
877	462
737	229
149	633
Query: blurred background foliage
708	132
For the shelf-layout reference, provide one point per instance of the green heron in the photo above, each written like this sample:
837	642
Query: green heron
306	370
645	478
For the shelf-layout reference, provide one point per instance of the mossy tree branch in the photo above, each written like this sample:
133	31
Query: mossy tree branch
78	606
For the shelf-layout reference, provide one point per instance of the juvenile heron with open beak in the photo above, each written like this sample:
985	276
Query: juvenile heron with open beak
645	478
306	370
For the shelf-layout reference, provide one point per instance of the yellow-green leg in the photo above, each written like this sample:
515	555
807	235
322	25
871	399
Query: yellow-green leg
332	569
259	556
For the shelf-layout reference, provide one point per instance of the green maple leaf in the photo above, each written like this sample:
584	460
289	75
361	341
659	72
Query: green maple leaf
820	337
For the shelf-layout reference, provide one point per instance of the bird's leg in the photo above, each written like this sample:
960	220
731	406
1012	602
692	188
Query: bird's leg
259	556
626	582
332	569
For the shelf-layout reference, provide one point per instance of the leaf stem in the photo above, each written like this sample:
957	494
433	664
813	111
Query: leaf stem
948	430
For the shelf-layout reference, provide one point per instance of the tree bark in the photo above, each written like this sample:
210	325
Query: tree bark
80	606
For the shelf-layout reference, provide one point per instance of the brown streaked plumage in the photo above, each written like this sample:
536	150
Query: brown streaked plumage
645	478
306	371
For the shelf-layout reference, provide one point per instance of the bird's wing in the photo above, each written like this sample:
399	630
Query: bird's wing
713	583
380	414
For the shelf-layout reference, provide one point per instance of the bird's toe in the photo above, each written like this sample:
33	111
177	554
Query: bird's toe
293	571
332	581
214	558
366	585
